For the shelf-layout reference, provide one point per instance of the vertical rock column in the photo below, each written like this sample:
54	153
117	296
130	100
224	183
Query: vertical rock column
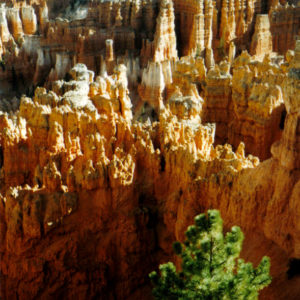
109	55
165	38
240	21
158	73
14	22
231	54
208	34
106	14
136	15
199	33
237	10
231	25
29	20
262	39
215	21
43	16
224	18
250	12
118	18
4	32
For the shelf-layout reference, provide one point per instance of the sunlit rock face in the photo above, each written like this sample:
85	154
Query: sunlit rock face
122	120
262	39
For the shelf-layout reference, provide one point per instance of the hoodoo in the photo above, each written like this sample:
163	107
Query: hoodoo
120	121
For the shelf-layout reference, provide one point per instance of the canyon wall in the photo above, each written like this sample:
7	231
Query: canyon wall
284	26
31	54
87	194
111	140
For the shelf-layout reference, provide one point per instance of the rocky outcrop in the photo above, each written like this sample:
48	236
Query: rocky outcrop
245	105
218	103
165	39
262	39
284	26
29	20
151	30
111	140
258	105
74	152
163	47
74	145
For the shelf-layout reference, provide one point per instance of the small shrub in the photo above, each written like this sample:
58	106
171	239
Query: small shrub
210	268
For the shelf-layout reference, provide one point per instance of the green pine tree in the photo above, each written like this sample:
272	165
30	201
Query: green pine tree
210	268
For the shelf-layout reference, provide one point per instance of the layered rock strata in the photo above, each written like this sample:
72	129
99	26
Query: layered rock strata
103	166
74	153
205	28
284	21
73	150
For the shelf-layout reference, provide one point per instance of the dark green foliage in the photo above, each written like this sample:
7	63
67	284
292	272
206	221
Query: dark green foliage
210	268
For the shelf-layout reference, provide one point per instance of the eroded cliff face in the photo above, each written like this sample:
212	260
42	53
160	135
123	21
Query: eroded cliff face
74	151
106	163
31	55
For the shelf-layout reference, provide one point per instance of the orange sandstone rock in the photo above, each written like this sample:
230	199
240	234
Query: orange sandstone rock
124	142
262	39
